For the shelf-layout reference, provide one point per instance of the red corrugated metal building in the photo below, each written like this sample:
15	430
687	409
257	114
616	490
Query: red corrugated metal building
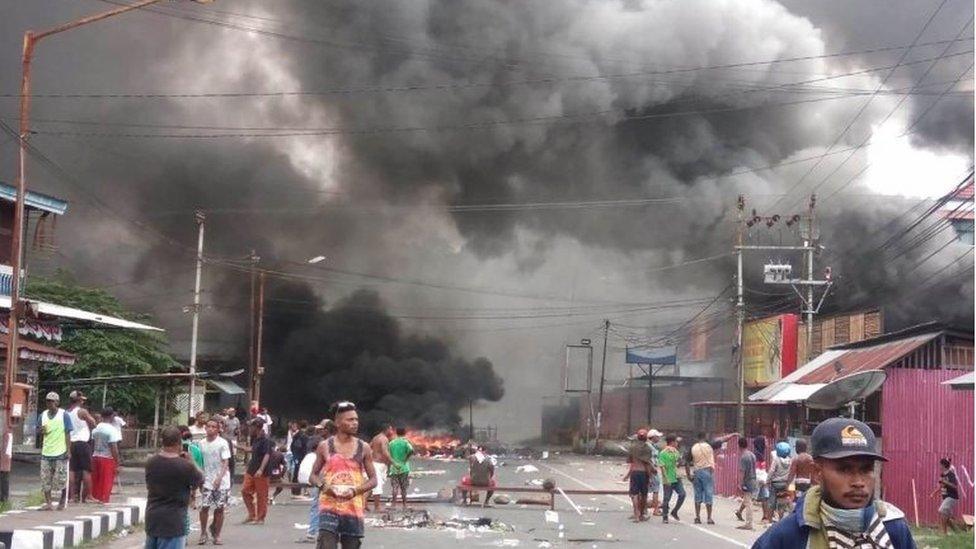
918	418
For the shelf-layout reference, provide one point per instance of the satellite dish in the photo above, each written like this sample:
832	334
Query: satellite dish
848	389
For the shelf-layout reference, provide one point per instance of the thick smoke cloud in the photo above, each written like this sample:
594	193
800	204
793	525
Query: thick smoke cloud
356	351
382	201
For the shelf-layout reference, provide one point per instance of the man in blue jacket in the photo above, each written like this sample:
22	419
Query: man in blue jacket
842	512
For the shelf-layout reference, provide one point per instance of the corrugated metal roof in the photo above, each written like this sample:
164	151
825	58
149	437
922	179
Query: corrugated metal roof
78	314
32	350
226	387
963	381
875	357
795	392
34	200
813	365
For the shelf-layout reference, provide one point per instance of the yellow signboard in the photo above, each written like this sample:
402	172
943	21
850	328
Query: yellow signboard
762	358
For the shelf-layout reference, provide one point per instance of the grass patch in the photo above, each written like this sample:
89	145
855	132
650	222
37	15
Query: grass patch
5	506
111	536
930	537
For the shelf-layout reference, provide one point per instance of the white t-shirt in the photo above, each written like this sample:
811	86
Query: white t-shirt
214	454
267	423
198	433
79	427
103	435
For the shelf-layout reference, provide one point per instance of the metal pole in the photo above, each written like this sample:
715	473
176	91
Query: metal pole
258	358
251	365
740	321
200	218
156	420
650	394
630	399
104	395
810	244
603	379
471	418
31	39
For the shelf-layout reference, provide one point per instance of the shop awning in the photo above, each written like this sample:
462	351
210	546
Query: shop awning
84	317
965	381
226	387
31	350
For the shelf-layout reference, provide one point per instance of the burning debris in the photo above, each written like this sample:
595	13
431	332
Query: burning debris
427	444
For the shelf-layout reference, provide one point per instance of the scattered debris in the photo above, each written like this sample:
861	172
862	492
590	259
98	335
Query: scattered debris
526	469
552	517
428	473
502	499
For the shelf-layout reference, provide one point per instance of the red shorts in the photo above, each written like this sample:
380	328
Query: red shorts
466	481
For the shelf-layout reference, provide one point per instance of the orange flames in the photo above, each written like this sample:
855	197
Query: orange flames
425	443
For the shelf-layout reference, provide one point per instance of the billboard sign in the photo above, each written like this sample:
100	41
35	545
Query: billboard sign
578	369
769	349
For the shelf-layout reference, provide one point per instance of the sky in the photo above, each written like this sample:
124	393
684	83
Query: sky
504	175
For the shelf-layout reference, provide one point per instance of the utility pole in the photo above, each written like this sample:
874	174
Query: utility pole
31	39
258	354
740	314
810	244
603	379
200	218
251	364
471	417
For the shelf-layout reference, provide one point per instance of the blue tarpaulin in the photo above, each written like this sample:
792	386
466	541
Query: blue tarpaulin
652	355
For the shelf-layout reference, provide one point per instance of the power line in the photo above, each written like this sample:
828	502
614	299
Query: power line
865	105
570	118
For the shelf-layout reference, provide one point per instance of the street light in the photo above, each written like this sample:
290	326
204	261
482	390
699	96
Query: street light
31	39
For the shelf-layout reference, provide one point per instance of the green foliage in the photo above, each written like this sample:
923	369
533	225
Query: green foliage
104	351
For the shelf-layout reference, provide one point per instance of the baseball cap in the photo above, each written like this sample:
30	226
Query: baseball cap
655	433
841	437
53	396
77	395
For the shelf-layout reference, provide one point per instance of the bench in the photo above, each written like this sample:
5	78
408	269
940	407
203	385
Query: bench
514	489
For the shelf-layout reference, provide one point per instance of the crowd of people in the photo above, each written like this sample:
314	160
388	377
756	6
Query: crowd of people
822	491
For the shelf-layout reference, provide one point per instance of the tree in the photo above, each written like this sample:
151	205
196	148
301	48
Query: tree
105	351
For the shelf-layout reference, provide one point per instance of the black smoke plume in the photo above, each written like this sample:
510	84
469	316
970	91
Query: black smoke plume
355	351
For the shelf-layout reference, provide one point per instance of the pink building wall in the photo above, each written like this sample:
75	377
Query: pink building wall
922	421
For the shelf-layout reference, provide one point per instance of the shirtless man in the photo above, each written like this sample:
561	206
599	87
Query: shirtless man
802	469
380	445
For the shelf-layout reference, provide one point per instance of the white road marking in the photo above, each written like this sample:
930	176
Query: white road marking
618	498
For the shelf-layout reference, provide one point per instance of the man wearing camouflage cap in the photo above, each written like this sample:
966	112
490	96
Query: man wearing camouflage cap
842	511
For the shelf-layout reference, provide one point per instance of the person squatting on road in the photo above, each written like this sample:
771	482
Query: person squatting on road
842	513
639	467
344	474
481	473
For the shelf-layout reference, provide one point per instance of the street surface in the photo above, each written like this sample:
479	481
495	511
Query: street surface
603	523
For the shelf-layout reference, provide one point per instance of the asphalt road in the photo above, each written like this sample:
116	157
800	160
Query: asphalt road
603	522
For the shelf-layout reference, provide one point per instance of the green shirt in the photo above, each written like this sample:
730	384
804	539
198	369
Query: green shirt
400	452
668	458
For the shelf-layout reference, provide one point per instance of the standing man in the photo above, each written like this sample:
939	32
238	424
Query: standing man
654	484
56	432
80	460
747	483
703	479
256	483
669	458
802	469
298	449
380	445
216	482
264	416
232	429
639	473
169	480
344	473
949	490
105	456
400	451
198	431
842	511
